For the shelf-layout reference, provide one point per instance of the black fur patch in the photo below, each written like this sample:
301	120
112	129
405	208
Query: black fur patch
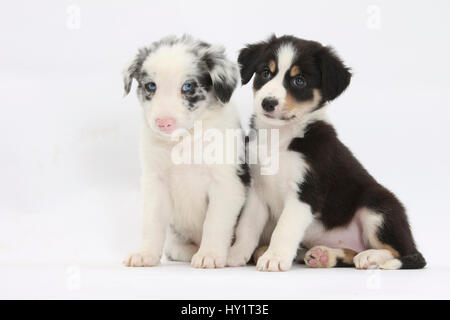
252	121
224	90
337	186
197	94
204	81
224	83
342	264
244	174
252	56
209	60
413	261
244	169
134	70
335	76
142	79
260	81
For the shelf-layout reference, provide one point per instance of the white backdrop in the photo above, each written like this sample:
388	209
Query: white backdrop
69	184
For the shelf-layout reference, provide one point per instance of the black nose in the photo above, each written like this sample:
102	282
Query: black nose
269	104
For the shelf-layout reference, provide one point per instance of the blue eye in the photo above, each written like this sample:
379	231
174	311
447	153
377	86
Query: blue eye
266	74
187	87
299	82
150	87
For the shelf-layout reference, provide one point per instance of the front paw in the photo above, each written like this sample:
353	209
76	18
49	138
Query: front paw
237	257
208	260
271	261
142	259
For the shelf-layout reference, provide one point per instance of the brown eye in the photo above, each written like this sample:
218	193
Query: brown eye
266	74
299	82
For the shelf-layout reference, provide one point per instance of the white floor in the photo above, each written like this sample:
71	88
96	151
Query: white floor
179	281
75	251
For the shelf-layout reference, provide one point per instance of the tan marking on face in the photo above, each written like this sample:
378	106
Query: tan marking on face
292	105
272	66
295	70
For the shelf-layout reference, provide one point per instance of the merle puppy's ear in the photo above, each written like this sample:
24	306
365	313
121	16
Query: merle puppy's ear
223	72
128	74
133	68
248	60
335	75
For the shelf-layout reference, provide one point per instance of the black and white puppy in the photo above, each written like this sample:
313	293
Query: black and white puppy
321	198
191	208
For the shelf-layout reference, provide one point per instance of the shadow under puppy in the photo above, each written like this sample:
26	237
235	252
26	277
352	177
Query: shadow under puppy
191	208
321	197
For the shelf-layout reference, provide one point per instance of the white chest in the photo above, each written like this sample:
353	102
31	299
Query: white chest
274	188
188	188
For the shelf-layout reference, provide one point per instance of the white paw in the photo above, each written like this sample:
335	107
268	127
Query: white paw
237	256
372	258
271	261
142	259
208	260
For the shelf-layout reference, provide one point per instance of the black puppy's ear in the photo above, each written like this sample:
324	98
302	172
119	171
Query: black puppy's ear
248	60
335	75
224	73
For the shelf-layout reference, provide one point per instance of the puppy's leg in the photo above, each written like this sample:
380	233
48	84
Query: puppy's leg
178	249
286	237
258	253
374	258
301	254
386	232
250	225
155	217
324	257
226	198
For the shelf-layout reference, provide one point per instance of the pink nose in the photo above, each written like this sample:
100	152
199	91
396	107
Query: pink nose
166	124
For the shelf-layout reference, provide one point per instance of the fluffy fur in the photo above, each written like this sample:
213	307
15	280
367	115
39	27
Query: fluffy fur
189	208
321	197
